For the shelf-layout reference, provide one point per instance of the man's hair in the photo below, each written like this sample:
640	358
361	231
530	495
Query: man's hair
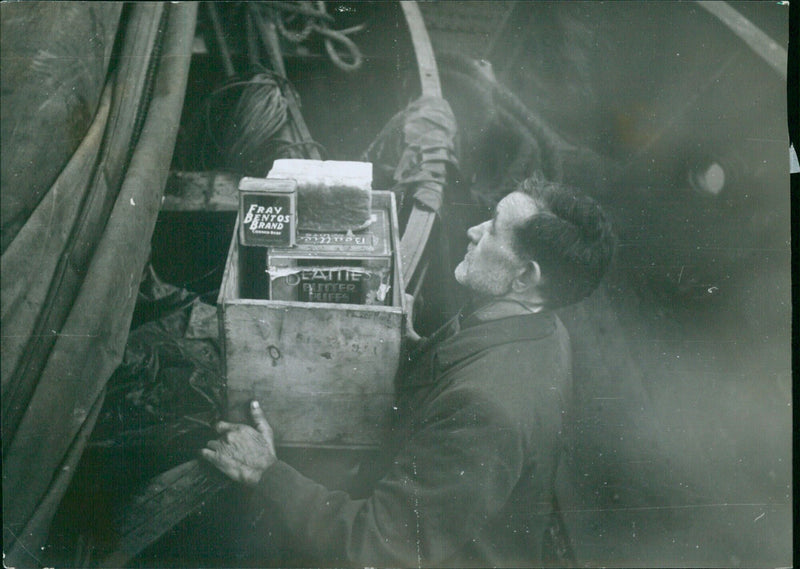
570	238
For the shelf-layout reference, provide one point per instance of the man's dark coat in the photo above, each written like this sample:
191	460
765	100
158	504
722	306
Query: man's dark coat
471	483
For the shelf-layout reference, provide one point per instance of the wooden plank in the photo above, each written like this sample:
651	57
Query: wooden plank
773	54
420	223
167	500
201	191
426	62
415	238
323	372
386	200
219	35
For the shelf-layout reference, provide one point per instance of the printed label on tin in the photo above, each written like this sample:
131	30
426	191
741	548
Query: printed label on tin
268	220
337	284
362	242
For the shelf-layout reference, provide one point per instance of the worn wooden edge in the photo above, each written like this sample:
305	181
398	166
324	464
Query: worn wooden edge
166	501
399	285
420	223
764	46
206	190
229	287
415	238
423	49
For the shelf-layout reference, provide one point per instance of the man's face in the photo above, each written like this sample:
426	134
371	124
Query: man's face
490	265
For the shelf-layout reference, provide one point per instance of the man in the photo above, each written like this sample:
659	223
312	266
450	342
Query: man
471	476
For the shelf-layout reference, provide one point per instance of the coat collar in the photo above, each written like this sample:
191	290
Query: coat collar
476	335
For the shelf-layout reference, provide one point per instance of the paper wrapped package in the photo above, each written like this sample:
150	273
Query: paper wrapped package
331	195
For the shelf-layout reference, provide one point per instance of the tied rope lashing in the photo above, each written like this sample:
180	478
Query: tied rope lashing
255	133
506	141
258	116
249	133
315	19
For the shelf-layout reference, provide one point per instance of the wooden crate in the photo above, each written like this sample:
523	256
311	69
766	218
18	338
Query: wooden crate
324	373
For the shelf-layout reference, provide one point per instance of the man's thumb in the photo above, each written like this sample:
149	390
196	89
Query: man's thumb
260	420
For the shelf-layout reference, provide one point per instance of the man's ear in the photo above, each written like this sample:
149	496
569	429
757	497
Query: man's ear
528	277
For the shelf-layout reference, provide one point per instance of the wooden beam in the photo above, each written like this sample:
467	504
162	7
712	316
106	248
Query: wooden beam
219	35
415	238
773	54
166	501
426	61
420	222
201	191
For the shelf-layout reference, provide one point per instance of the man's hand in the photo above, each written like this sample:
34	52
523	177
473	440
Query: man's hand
243	453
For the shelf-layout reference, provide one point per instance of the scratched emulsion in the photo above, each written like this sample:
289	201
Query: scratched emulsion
416	520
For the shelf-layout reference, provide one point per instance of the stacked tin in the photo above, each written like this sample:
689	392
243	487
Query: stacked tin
307	233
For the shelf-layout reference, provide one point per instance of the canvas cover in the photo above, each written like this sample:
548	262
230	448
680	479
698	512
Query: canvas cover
92	96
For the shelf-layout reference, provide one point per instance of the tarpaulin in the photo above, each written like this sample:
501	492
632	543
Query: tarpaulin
413	152
75	243
168	390
55	61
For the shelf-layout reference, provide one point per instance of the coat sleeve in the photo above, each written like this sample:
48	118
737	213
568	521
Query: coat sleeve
449	479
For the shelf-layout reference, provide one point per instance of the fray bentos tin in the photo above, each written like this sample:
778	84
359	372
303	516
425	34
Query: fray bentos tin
267	212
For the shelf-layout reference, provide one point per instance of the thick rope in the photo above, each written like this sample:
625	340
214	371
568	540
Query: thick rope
538	148
342	51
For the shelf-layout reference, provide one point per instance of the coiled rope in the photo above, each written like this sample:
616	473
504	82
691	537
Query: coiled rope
537	147
256	120
342	51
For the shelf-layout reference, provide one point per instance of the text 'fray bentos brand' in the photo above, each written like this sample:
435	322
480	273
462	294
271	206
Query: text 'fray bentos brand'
267	212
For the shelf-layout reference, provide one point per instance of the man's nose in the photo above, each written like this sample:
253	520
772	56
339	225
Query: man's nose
474	233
